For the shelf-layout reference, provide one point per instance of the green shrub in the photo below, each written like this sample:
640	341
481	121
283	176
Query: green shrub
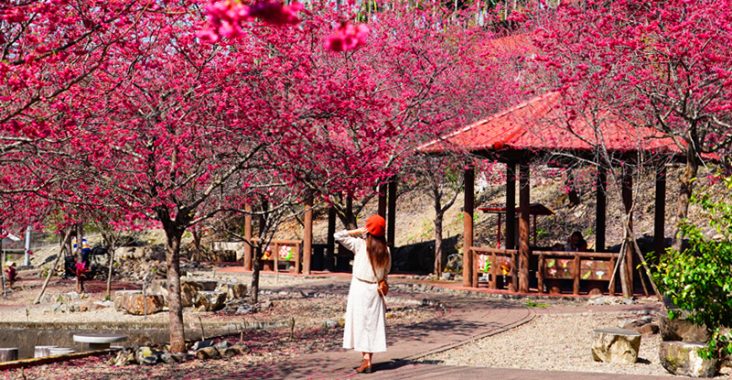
698	279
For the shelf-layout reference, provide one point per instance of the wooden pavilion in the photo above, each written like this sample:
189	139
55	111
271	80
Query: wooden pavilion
539	129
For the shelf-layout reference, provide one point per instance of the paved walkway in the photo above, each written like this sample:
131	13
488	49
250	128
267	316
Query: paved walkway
466	319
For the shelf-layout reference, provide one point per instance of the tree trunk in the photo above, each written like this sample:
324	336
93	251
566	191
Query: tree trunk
256	265
2	268
197	235
438	243
349	219
110	264
175	307
64	246
258	251
79	247
686	181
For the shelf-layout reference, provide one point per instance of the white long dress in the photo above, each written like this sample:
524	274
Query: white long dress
365	327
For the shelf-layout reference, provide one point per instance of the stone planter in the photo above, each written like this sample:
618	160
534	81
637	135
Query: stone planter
682	358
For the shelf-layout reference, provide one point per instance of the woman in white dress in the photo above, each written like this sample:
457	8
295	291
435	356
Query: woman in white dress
365	327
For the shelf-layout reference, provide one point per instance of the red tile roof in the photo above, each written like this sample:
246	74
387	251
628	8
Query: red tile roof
539	125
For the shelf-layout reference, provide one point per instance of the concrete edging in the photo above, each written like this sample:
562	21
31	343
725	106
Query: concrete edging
51	359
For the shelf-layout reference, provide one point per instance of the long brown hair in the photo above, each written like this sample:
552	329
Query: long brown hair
377	250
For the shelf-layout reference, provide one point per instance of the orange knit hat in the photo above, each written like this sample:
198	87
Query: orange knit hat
376	225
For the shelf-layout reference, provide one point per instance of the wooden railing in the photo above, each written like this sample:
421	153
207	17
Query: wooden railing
275	250
575	266
272	252
495	255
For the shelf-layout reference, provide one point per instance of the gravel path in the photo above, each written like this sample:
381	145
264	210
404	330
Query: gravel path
555	342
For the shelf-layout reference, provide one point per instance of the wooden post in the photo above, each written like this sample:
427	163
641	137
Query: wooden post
494	271
540	273
476	270
524	200
600	209
307	250
610	269
510	205
511	218
382	200
576	275
248	236
627	195
659	244
391	213
468	225
275	250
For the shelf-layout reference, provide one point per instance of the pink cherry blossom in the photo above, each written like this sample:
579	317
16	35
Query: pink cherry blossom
347	37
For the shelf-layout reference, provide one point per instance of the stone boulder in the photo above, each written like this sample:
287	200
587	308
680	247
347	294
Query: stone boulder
133	302
207	353
189	290
682	358
210	300
234	291
681	329
613	345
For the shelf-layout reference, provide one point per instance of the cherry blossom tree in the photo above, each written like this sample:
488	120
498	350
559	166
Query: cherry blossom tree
665	64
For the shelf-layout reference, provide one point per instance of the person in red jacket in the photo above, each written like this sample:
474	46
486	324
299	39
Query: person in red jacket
10	273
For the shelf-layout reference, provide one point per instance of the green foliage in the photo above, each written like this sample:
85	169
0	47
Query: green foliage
698	279
539	305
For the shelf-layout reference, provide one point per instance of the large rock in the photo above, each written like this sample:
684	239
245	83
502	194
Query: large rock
189	290
682	358
613	345
210	300
208	353
234	291
133	302
681	329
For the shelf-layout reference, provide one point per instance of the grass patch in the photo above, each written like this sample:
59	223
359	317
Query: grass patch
540	305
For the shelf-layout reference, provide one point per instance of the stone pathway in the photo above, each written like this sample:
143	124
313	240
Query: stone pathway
466	318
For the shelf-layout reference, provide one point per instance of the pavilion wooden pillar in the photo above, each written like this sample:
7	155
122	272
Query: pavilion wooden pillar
627	195
600	209
511	218
468	207
248	236
659	244
391	213
524	201
307	244
382	200
330	250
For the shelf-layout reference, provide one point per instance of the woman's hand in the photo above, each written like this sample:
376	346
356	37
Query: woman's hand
358	232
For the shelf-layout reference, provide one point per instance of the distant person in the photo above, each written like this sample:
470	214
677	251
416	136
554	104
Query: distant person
365	322
10	273
576	243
